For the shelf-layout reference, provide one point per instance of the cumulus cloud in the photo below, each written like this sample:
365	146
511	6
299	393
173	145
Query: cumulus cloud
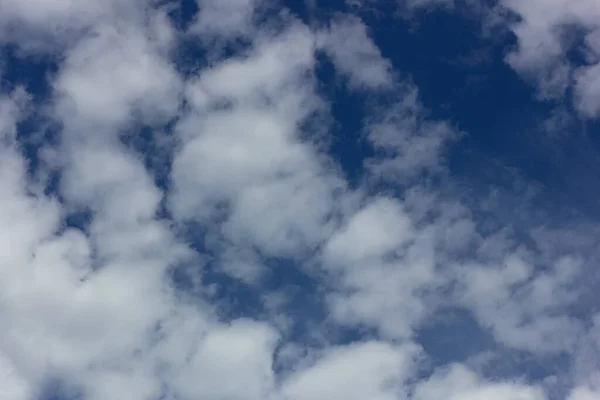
225	19
49	26
382	371
548	32
355	55
96	308
380	262
458	382
133	59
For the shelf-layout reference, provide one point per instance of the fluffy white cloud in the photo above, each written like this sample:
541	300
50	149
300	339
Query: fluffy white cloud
519	305
369	370
355	55
233	362
225	19
584	393
43	26
458	382
14	386
243	160
545	35
134	61
379	262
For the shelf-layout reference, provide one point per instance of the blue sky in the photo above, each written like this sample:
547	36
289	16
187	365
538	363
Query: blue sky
299	200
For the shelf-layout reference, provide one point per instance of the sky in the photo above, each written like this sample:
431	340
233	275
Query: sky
299	199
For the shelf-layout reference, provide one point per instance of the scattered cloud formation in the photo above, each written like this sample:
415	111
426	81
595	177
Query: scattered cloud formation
156	190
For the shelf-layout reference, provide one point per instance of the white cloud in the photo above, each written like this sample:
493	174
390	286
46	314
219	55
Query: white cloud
587	358
369	370
233	362
379	228
78	306
355	55
587	89
544	34
131	76
458	382
584	393
408	143
42	26
14	386
378	262
245	162
519	304
225	19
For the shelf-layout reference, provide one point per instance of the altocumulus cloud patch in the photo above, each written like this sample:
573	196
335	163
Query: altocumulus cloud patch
249	199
